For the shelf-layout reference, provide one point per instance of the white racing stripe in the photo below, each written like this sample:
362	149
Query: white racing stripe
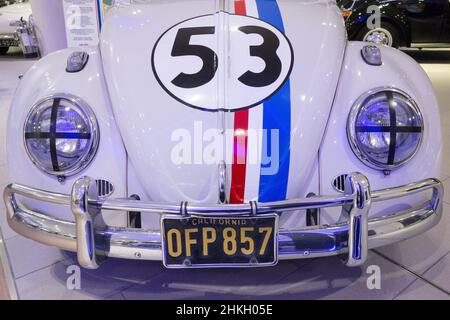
252	9
254	151
255	125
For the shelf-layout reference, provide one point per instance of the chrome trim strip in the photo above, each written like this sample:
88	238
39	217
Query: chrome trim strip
164	208
222	182
309	242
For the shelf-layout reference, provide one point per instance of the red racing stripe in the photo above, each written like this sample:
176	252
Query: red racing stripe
239	7
239	168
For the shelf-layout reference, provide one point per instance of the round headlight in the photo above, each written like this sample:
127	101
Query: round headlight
385	128
61	135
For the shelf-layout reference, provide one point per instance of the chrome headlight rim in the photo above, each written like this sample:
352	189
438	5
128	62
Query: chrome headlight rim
94	140
351	127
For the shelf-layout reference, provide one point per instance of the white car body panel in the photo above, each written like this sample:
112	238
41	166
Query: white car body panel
137	117
44	79
147	115
399	71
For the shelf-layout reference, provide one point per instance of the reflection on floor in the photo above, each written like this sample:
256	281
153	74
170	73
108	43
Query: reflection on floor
415	269
4	294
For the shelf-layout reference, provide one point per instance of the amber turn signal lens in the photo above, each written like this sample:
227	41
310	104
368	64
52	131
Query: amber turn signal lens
346	13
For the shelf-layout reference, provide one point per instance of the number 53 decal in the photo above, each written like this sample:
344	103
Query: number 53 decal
213	68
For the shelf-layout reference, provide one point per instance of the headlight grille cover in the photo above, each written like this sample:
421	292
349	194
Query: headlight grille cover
339	183
61	135
385	128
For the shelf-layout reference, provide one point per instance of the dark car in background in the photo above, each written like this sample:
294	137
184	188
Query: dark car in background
4	3
404	23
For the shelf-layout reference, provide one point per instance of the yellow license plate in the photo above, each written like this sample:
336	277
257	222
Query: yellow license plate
220	242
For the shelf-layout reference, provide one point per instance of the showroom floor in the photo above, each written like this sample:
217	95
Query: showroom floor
416	269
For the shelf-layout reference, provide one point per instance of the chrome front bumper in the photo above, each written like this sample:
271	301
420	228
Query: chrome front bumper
94	241
8	40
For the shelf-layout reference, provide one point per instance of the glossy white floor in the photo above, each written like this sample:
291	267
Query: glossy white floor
415	269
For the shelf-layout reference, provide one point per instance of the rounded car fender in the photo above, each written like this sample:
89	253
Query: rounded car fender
49	77
357	78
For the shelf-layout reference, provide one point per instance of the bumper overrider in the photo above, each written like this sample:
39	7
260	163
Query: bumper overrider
94	241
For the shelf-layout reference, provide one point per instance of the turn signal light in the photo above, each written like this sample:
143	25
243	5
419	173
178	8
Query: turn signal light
346	13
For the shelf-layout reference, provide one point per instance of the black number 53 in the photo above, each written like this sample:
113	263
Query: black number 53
267	51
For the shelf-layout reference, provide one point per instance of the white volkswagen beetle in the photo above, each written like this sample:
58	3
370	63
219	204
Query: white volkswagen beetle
9	15
231	133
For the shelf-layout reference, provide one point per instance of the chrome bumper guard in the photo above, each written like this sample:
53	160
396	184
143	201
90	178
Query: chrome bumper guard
94	241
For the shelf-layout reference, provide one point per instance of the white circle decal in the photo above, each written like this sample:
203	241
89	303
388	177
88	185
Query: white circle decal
222	62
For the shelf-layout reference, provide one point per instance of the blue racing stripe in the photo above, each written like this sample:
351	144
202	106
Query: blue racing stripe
99	14
269	11
277	118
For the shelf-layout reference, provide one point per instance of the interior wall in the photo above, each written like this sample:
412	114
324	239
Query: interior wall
50	25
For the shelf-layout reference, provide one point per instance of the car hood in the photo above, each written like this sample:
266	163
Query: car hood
13	13
223	95
21	9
